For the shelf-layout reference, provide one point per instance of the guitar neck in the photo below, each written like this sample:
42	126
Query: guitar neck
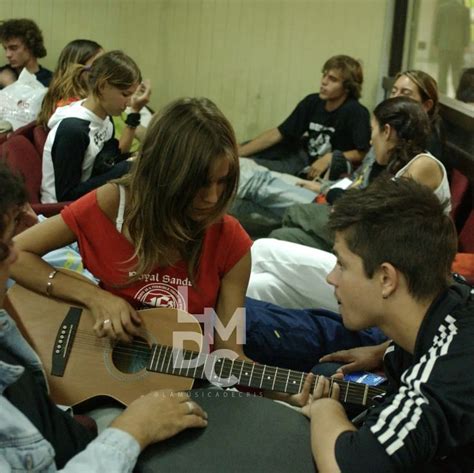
190	364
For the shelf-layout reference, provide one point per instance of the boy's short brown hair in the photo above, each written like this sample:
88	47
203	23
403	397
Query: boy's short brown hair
351	70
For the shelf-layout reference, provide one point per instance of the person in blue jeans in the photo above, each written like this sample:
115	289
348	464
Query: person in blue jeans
34	433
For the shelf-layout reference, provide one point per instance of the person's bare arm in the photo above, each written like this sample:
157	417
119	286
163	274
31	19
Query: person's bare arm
230	306
425	171
31	271
354	155
310	185
265	140
139	99
321	165
359	358
140	133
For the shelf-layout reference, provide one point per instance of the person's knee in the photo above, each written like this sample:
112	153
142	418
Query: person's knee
287	234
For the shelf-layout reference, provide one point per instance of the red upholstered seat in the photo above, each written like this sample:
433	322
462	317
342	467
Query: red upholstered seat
464	265
40	134
466	236
20	155
26	131
460	198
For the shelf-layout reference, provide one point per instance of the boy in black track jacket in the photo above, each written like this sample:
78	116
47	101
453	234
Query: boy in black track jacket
395	248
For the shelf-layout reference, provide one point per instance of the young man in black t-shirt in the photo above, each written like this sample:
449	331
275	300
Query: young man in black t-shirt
23	44
320	124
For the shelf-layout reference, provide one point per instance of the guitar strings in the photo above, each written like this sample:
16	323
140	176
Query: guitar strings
258	370
287	376
280	375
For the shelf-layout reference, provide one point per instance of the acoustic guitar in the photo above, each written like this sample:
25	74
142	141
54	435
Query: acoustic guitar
79	366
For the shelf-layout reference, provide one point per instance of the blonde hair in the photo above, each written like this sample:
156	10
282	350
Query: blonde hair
182	144
69	80
428	90
71	84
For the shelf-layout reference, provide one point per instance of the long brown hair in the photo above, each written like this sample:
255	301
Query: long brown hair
181	146
78	51
69	78
410	121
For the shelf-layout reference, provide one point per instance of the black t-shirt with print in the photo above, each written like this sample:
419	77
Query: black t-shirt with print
44	76
344	129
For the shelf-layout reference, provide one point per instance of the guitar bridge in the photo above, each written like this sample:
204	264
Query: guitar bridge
64	340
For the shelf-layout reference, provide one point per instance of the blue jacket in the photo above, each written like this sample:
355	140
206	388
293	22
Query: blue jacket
22	447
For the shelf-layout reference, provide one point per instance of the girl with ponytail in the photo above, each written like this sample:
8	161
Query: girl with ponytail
69	82
400	129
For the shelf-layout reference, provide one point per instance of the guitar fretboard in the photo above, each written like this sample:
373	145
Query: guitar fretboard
191	364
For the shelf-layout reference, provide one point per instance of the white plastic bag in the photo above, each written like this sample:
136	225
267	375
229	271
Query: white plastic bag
20	102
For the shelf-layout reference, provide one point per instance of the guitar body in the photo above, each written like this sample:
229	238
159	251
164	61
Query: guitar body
95	367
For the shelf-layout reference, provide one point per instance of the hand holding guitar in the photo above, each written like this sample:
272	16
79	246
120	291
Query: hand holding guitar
114	317
299	399
160	415
324	388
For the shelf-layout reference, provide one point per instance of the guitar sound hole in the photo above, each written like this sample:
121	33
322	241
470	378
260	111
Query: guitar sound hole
131	357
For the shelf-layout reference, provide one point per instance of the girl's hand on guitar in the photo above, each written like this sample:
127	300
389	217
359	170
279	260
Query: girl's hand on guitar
160	415
114	317
322	389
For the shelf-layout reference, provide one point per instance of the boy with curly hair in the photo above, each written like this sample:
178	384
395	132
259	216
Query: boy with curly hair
22	41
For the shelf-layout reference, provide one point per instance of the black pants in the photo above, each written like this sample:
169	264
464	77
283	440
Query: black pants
287	157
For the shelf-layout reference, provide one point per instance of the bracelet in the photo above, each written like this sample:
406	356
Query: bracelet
133	120
49	284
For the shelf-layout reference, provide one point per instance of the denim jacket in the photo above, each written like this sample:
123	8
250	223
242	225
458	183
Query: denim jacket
22	447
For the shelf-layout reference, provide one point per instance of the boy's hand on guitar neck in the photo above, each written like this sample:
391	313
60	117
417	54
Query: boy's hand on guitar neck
160	415
305	397
323	389
114	317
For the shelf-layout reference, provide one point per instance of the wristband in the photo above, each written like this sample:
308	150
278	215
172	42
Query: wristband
133	120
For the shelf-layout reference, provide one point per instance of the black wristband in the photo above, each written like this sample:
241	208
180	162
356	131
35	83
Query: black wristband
133	120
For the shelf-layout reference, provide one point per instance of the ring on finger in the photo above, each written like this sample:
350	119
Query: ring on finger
190	407
106	321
